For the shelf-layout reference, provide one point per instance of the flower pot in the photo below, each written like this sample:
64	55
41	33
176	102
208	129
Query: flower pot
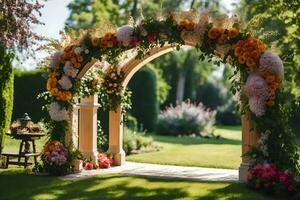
77	165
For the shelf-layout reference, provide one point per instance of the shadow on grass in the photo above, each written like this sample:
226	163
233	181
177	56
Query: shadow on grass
17	185
194	140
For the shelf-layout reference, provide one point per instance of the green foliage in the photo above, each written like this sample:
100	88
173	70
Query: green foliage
6	92
102	138
144	98
228	114
28	85
134	142
212	94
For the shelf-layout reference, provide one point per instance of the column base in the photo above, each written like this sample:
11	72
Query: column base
243	171
119	157
91	156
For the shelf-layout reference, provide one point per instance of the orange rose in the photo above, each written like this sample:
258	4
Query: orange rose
255	54
73	60
270	78
250	62
237	51
233	32
241	60
213	33
190	25
221	39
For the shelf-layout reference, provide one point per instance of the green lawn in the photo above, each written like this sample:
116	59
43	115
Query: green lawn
204	152
15	184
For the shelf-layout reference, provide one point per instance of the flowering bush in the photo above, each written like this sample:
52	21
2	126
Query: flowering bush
185	118
266	177
55	158
104	160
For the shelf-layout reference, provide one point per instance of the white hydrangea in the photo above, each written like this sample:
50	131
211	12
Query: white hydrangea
65	82
256	86
257	106
124	34
70	70
56	59
272	64
57	113
78	50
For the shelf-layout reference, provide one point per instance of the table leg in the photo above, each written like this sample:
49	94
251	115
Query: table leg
26	160
20	151
34	151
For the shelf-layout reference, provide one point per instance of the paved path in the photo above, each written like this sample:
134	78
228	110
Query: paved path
162	171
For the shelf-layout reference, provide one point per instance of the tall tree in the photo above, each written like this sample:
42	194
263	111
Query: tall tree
16	18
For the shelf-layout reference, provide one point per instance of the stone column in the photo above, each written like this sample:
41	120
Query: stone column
88	127
116	137
249	138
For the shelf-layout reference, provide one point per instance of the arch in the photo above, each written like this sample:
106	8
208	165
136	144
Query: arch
249	136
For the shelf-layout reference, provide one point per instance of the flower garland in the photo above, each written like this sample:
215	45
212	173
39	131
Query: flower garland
258	73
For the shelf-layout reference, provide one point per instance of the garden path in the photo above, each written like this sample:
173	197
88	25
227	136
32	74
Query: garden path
162	171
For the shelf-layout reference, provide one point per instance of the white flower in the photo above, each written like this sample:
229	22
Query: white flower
56	59
57	113
124	34
256	86
257	106
70	70
86	51
78	50
65	82
272	64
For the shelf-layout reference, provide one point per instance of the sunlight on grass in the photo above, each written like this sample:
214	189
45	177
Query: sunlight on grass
203	152
17	185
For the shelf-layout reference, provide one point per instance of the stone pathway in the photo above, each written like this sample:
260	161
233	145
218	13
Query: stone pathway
162	171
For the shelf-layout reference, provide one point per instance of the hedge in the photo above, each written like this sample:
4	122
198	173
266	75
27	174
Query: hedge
144	98
6	92
28	85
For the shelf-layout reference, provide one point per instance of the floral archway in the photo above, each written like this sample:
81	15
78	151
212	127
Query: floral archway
257	79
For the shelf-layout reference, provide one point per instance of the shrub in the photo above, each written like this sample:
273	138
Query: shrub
228	114
184	119
144	98
136	141
6	92
102	138
28	85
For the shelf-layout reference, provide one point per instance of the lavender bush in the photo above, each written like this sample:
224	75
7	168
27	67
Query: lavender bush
185	118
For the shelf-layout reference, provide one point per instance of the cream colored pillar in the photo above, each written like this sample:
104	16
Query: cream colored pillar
249	138
116	137
71	137
88	127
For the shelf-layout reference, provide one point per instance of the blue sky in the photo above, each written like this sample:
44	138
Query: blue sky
54	15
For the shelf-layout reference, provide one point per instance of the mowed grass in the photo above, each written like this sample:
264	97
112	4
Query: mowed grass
16	184
202	152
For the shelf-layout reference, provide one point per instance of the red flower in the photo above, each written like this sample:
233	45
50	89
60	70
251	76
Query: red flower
89	166
105	164
134	41
151	37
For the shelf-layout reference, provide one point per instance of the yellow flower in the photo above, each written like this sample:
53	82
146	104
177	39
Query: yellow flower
270	78
270	103
95	41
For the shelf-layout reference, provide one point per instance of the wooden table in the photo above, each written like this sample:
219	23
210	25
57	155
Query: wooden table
24	149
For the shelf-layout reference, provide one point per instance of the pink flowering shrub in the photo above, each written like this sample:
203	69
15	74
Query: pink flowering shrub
268	178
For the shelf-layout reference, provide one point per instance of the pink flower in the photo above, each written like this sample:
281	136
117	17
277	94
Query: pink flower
65	83
56	59
134	42
105	164
151	37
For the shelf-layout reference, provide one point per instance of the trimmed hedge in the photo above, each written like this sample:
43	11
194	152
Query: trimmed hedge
144	98
6	92
28	85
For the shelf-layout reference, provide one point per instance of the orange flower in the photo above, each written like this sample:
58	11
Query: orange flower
241	59
250	62
79	58
221	39
95	41
190	25
109	35
270	78
233	32
54	91
213	33
238	51
73	60
255	54
270	103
